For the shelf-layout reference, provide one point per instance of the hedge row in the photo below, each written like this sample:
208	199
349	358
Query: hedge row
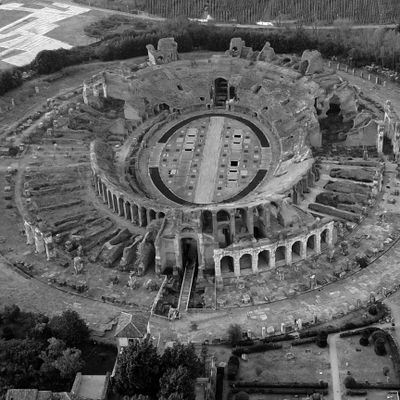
257	348
358	332
299	342
267	385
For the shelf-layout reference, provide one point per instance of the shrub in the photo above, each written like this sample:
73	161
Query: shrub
322	339
234	334
7	333
373	310
364	340
257	348
379	347
233	367
349	382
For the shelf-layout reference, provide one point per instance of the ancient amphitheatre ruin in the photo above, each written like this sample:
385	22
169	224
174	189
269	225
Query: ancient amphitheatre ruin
197	186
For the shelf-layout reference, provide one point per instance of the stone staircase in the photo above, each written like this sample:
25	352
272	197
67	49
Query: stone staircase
185	289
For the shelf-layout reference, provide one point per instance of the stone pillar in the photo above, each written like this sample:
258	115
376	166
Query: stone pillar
272	258
330	235
318	243
104	192
369	77
353	71
267	217
178	258
200	255
148	216
232	225
29	232
157	261
121	209
254	262
288	254
236	265
104	90
49	246
215	225
379	143
218	276
338	66
140	215
84	93
303	249
250	220
39	242
377	80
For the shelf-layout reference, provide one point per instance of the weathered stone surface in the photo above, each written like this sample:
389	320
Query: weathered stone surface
311	62
335	198
167	51
348	187
267	53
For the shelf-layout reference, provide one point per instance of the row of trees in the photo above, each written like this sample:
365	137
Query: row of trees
143	373
382	47
38	352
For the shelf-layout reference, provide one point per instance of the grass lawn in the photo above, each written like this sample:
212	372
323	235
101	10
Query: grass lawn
9	16
70	30
364	365
310	364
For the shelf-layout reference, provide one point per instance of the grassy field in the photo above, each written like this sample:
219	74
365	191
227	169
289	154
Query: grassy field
9	16
362	361
307	363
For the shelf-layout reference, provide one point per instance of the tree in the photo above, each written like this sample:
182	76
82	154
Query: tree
379	347
322	339
182	355
177	383
138	370
11	313
234	334
69	363
349	382
364	340
70	328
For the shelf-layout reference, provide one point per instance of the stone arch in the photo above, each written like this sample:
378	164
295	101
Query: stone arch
325	237
280	254
223	215
207	221
143	216
152	215
115	203
128	213
160	215
296	250
240	220
121	207
311	244
227	264
135	213
245	261
263	259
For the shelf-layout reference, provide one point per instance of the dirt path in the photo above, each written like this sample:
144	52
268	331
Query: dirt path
333	356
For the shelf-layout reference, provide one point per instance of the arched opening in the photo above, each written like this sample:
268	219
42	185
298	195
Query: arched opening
259	222
223	216
232	93
152	215
206	221
324	237
189	252
143	216
121	207
387	147
245	262
295	196
227	265
311	245
115	203
224	235
263	259
303	67
280	255
135	213
240	221
296	251
160	215
220	91
128	210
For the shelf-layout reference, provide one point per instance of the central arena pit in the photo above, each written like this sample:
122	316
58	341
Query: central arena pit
211	158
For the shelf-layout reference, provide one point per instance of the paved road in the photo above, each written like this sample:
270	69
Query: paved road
334	366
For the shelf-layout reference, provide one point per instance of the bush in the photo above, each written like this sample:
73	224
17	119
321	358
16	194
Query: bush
322	339
379	347
7	333
234	334
257	348
373	310
364	340
349	382
233	367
